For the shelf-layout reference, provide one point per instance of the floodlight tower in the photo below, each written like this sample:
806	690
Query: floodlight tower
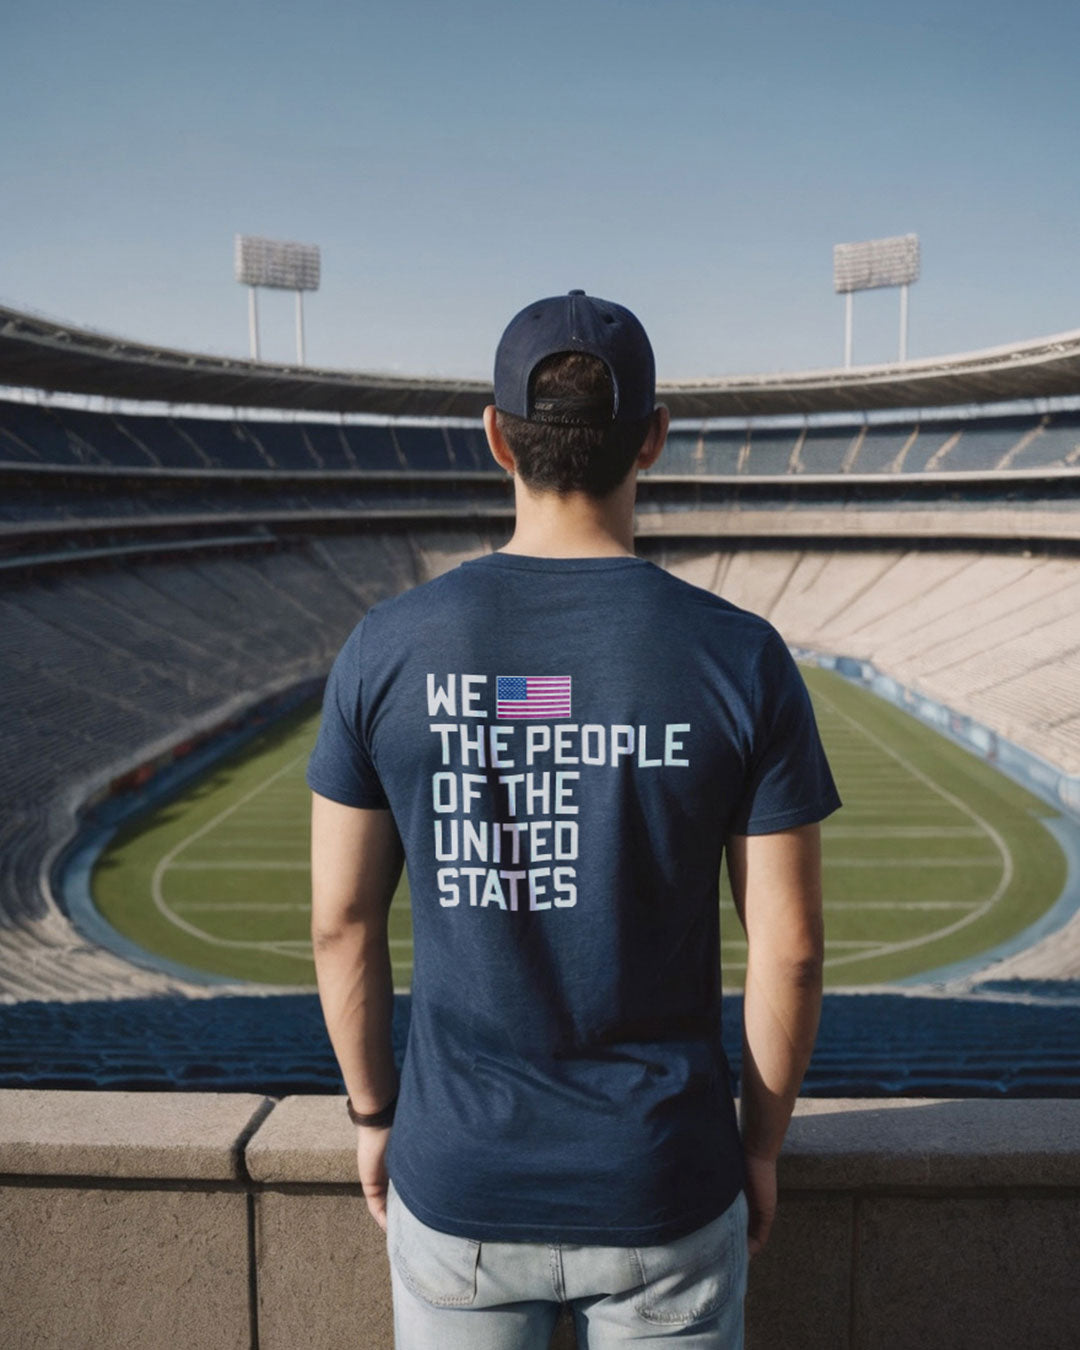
876	262
281	265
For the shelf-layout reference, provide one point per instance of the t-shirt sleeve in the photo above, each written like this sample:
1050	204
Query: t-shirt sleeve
789	781
340	766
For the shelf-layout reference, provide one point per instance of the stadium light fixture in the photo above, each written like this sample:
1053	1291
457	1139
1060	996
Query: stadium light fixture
280	265
872	263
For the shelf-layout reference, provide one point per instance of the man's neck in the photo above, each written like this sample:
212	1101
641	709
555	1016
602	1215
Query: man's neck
574	525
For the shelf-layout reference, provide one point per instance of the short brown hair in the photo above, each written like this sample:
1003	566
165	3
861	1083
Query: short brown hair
569	457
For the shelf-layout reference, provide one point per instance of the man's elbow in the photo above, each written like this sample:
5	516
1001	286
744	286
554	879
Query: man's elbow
322	938
352	924
799	959
806	971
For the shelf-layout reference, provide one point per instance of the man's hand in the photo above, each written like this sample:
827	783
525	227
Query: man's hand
371	1142
776	886
761	1198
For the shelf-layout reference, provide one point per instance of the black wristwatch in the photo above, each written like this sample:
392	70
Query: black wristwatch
383	1117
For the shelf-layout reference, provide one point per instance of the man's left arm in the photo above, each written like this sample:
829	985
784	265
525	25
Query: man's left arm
356	861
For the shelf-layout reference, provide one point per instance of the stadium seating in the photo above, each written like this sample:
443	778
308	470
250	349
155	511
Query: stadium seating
470	450
724	451
824	450
881	447
60	435
991	635
770	452
102	666
1055	444
283	444
276	1044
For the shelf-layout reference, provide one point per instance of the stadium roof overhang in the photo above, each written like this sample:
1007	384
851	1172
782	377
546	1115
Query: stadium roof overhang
42	354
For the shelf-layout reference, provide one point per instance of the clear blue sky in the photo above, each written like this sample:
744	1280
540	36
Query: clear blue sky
694	159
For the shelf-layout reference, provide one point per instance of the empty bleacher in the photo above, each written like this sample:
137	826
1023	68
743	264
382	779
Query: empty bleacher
104	666
824	450
994	636
868	1045
31	433
683	453
881	448
771	451
1054	444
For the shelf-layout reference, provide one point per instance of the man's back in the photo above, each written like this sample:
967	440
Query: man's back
565	745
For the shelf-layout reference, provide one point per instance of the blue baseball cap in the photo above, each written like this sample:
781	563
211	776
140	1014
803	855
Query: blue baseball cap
576	322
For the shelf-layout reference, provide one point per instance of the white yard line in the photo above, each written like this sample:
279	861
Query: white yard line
240	864
984	827
901	904
254	906
829	942
283	948
909	862
903	832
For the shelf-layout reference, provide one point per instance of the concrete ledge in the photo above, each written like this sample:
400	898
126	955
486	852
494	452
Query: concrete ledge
160	1135
846	1144
230	1220
945	1144
304	1139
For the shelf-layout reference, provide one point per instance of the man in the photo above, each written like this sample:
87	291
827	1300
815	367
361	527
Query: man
561	739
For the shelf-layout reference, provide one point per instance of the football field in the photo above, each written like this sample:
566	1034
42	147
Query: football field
934	857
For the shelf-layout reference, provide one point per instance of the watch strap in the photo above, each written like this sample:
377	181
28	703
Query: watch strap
383	1117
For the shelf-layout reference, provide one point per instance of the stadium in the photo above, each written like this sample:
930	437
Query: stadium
187	541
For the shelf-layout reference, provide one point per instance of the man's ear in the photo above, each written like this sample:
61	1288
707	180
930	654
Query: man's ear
654	437
497	442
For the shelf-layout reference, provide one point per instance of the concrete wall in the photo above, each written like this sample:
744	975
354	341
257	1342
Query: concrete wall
220	1221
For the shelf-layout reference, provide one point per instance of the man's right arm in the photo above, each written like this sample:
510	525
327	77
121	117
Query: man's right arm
776	883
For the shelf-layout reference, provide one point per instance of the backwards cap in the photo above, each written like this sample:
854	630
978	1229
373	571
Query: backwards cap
576	323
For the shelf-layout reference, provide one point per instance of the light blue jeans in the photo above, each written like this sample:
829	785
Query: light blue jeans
456	1293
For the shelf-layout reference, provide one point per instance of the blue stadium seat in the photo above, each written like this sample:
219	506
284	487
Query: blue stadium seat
984	443
284	444
932	436
880	447
770	451
824	449
868	1045
423	447
372	447
722	451
100	432
330	450
168	447
1056	444
683	453
470	449
225	444
13	451
37	428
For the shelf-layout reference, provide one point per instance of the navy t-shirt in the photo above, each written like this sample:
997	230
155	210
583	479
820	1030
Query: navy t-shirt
565	744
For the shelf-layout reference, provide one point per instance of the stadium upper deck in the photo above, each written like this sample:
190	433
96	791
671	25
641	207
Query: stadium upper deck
939	446
43	354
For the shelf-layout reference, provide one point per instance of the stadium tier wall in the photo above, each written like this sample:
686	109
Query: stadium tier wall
221	1221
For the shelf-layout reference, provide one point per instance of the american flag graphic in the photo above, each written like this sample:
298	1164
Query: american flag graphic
532	696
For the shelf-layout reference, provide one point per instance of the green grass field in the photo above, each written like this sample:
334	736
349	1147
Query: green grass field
934	857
